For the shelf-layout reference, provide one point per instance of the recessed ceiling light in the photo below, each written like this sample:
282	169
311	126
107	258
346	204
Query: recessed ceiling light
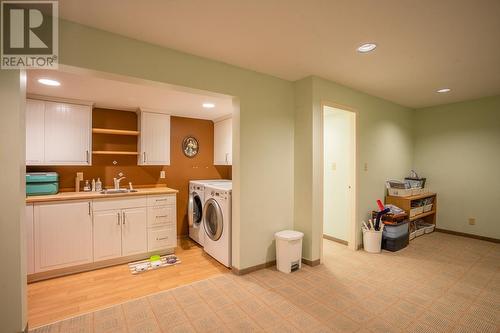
443	90
208	105
367	47
49	82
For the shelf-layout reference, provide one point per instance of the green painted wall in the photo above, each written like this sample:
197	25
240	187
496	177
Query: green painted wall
384	142
13	314
263	134
457	147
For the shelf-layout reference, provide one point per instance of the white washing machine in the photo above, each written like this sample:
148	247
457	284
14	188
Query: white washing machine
217	222
195	207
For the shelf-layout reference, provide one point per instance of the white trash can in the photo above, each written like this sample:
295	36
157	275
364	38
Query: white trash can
288	250
372	241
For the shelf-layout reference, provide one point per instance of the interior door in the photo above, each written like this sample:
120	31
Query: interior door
35	113
67	134
107	235
212	219
134	231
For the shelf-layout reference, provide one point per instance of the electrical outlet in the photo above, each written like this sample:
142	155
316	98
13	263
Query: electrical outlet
472	220
366	166
162	174
334	166
79	175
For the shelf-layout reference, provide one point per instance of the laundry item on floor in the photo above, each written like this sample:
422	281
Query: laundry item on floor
153	263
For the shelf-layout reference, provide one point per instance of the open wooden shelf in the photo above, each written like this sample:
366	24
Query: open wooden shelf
114	131
419	216
110	152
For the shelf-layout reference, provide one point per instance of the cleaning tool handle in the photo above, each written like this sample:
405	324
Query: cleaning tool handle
380	205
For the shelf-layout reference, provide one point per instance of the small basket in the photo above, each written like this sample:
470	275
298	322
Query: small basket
427	208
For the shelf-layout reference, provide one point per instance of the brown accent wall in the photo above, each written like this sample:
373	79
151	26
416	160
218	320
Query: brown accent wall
178	173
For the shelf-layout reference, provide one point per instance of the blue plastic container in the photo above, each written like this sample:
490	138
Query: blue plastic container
396	230
42	183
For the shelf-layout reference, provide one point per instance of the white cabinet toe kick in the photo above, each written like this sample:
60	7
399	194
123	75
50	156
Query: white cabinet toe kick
74	236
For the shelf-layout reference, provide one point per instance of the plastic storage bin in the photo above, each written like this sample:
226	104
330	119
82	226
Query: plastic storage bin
42	183
396	230
372	240
395	244
288	250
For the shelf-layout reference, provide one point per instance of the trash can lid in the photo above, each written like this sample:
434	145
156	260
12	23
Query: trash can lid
289	235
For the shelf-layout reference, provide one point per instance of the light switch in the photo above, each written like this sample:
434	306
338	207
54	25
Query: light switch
162	174
472	220
365	166
334	166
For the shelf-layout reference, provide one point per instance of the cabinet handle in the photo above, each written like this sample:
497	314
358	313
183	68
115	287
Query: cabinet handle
89	208
87	156
119	217
160	216
161	238
144	157
123	217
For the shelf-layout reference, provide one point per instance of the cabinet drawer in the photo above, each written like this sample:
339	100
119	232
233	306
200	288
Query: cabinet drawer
162	238
111	204
161	216
161	200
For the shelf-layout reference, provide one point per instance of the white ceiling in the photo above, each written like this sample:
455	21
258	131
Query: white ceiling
424	45
120	95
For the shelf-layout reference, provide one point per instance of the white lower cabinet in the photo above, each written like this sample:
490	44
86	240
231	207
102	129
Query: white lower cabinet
30	260
134	231
80	232
107	235
62	235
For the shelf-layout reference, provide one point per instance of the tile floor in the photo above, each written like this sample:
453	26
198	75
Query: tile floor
440	283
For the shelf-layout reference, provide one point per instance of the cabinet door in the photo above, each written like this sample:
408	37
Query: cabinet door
30	269
107	235
63	235
134	231
35	111
154	139
67	134
223	142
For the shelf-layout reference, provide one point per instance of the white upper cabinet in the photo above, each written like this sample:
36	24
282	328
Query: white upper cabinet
154	140
58	133
35	132
223	142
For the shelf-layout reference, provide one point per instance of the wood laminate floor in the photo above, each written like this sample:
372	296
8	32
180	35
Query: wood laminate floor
64	297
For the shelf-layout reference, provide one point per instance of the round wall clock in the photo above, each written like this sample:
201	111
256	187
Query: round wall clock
190	146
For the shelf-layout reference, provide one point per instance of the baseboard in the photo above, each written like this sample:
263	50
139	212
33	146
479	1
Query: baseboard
336	240
463	234
311	263
251	269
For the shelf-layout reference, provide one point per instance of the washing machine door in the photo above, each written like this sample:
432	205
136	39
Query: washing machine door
194	209
212	219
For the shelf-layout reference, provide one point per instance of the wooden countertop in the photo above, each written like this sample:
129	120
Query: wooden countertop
64	196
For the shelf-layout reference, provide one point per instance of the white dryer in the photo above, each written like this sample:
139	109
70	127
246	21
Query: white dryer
195	207
217	222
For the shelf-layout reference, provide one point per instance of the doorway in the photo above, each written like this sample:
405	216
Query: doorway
339	175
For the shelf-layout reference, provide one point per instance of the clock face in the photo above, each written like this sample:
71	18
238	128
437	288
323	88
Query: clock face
190	146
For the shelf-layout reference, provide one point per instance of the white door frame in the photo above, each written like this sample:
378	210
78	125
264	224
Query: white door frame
353	234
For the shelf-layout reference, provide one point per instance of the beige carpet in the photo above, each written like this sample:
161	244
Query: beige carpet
440	283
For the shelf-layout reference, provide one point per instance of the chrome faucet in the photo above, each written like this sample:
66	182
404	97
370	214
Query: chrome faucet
116	181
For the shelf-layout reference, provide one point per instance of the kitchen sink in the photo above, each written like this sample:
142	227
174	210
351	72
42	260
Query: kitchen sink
114	191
